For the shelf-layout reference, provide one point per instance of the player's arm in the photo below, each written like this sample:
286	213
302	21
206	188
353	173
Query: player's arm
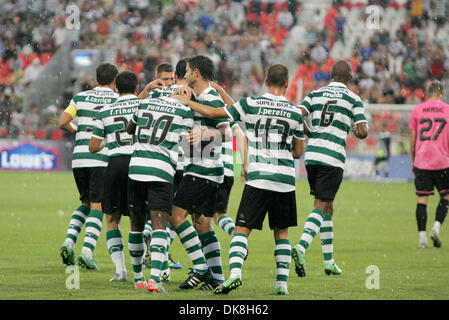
227	99
208	112
66	118
297	148
96	144
306	128
157	83
131	127
360	130
412	147
242	146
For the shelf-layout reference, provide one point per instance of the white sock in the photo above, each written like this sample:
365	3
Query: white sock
436	227
422	236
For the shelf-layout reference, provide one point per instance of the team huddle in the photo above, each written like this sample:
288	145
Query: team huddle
165	153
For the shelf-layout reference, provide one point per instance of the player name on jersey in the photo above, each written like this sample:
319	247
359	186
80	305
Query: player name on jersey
87	104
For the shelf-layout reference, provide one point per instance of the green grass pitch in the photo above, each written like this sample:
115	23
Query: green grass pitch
374	224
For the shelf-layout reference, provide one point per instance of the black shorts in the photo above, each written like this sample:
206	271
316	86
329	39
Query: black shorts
115	196
197	195
324	181
90	183
224	191
177	179
150	196
427	180
255	203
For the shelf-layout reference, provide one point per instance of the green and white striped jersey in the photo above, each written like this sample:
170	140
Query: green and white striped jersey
87	104
271	123
112	122
160	124
157	93
206	160
227	152
333	109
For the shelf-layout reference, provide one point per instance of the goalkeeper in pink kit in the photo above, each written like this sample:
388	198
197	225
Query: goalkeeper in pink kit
429	150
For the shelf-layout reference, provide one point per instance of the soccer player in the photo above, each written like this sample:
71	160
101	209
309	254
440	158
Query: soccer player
275	138
429	150
220	218
88	168
333	109
159	124
166	74
198	189
111	125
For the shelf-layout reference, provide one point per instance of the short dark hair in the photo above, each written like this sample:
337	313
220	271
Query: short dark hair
204	65
181	68
126	82
277	75
163	67
435	89
106	73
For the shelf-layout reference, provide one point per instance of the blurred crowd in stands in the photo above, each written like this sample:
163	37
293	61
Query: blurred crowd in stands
242	37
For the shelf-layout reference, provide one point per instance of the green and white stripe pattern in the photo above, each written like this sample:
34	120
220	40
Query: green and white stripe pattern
227	224
327	239
87	104
76	224
212	253
271	123
228	153
311	228
111	124
157	93
136	250
191	243
237	253
333	109
208	165
158	249
94	223
114	241
283	258
156	148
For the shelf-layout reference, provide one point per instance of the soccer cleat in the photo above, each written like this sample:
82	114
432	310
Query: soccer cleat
152	286
141	284
300	261
172	264
67	254
435	237
210	284
229	285
119	277
331	269
423	244
165	278
194	279
89	264
281	291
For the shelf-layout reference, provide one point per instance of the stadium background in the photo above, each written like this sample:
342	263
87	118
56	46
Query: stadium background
45	58
43	63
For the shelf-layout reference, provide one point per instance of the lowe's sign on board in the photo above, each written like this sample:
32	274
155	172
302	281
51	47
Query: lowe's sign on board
29	156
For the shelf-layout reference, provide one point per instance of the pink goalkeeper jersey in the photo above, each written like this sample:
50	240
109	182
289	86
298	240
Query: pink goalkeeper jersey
430	121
